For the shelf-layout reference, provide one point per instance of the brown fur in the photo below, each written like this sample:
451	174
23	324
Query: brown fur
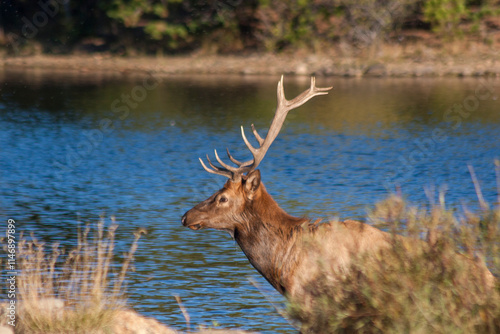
286	250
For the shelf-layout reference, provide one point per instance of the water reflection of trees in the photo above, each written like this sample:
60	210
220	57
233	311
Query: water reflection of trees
221	104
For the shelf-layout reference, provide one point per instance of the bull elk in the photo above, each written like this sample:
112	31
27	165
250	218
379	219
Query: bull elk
276	243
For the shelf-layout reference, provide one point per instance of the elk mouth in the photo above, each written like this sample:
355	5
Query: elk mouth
195	227
192	225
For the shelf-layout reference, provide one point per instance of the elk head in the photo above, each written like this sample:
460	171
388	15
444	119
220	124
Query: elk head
244	195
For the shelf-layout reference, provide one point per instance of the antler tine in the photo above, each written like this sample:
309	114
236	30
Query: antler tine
226	166
239	163
305	95
216	170
256	134
250	147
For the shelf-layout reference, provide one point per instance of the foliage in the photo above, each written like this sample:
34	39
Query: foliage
152	26
414	287
370	21
293	22
153	17
445	16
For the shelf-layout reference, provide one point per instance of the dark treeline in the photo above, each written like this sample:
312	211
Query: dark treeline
174	26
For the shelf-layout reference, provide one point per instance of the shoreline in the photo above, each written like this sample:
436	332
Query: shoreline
257	64
124	321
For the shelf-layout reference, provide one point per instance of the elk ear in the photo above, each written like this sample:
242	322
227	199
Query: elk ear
252	183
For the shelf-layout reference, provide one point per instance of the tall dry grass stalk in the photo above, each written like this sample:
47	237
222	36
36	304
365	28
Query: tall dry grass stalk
436	286
83	278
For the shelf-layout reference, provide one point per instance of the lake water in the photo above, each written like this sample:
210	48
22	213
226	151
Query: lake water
74	147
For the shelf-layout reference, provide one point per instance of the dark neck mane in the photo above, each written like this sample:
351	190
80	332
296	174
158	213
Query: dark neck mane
266	236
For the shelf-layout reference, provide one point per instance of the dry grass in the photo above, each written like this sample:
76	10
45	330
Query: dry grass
414	287
83	278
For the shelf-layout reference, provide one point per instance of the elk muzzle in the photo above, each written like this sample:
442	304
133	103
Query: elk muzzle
189	220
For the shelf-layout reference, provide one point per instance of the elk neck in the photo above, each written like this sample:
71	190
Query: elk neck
267	238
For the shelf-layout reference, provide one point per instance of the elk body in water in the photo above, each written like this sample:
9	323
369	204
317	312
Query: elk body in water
284	249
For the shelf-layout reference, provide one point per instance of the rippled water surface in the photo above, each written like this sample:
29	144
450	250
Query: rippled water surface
74	147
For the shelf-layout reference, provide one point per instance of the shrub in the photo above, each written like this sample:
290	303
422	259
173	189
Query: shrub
445	16
369	22
299	23
415	286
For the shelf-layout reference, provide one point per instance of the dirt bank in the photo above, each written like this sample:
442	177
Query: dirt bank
267	64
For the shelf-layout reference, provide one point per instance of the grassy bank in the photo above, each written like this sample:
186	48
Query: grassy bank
81	290
75	291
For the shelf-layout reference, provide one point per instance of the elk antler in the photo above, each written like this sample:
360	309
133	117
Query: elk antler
282	109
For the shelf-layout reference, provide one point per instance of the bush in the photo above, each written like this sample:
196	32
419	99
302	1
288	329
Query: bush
294	23
415	286
369	22
445	16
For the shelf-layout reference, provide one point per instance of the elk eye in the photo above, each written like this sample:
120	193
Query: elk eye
223	199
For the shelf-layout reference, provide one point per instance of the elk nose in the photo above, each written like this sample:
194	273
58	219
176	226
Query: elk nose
183	220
